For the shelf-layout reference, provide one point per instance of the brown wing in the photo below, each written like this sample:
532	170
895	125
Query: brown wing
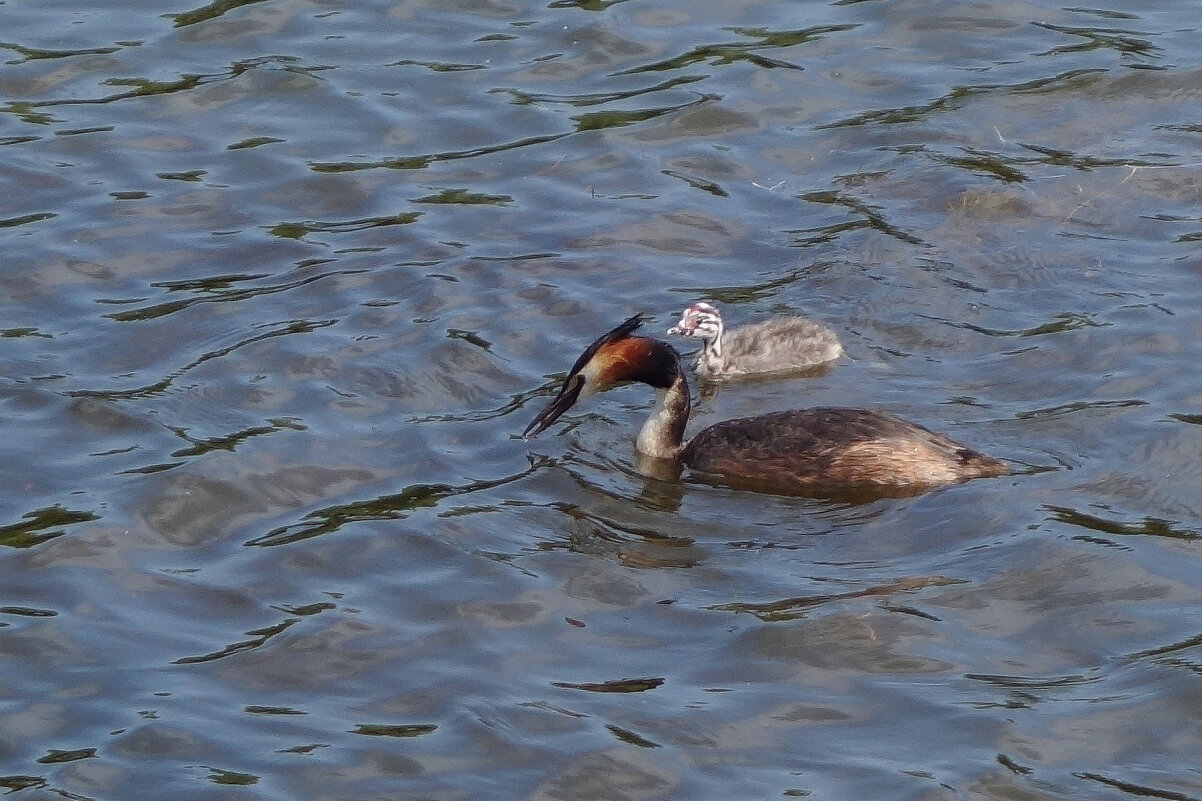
834	447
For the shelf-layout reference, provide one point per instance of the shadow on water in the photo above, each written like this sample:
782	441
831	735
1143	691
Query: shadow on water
793	608
34	530
751	293
1148	526
396	506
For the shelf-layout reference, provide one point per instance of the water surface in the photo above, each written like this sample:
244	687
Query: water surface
282	281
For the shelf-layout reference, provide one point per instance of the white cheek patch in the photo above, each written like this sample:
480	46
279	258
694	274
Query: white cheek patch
588	375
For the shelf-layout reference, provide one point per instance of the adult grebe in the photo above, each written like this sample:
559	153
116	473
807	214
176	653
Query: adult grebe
804	449
781	343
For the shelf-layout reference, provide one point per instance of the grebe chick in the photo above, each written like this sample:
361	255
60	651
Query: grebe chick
800	450
781	343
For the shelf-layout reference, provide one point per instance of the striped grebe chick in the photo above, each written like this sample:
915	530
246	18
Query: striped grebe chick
800	450
777	344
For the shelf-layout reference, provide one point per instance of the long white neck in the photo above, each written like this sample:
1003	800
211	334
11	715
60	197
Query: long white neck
663	432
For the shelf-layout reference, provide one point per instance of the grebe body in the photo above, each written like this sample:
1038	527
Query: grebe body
781	343
800	450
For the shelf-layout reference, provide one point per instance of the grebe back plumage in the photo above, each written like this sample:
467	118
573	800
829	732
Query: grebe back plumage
803	449
776	344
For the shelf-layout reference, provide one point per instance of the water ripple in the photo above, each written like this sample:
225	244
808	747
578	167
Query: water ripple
161	385
995	206
396	506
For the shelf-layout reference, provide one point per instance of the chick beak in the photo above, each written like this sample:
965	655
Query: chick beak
567	397
682	329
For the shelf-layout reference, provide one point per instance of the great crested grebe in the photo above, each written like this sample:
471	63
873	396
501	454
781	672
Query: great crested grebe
781	343
804	449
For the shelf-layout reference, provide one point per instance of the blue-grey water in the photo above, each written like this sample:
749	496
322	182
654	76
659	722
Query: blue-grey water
281	282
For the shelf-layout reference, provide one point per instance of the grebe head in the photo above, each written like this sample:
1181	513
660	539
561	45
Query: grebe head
699	320
615	357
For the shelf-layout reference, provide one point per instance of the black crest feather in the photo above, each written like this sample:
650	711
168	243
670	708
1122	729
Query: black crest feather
625	329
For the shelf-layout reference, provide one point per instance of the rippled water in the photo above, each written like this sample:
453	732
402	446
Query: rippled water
282	281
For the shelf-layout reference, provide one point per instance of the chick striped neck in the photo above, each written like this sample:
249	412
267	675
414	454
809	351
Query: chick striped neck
712	346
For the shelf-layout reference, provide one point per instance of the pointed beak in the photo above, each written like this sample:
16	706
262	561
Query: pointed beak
684	328
568	394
